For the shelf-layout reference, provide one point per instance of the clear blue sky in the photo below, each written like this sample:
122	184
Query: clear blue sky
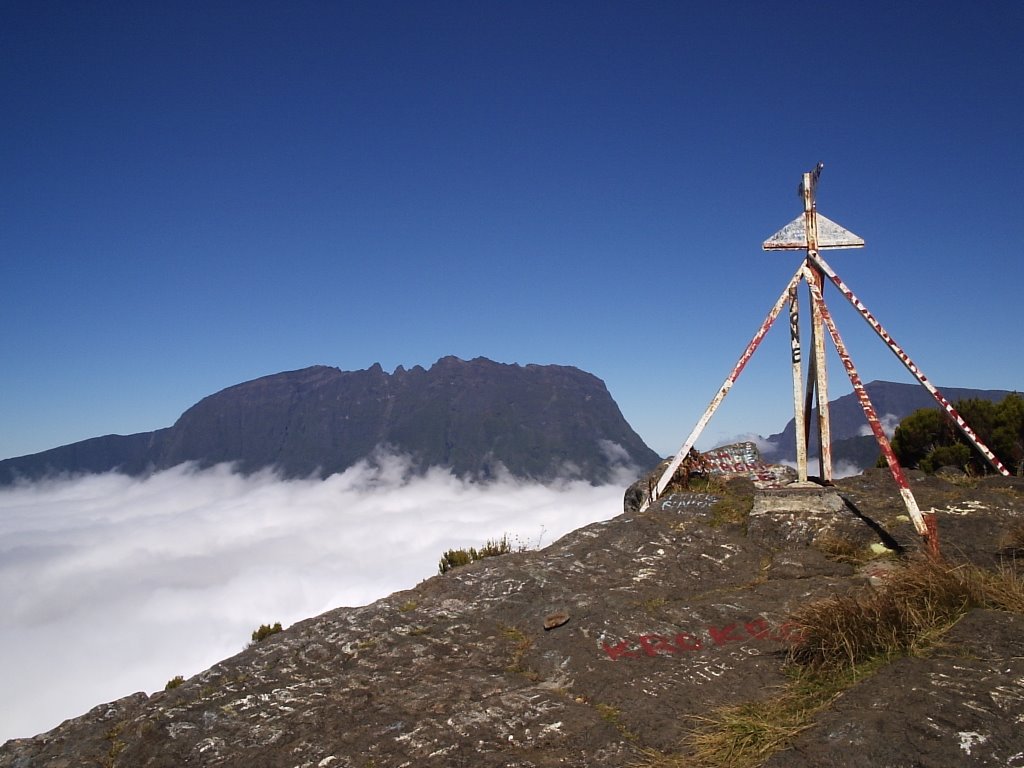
197	194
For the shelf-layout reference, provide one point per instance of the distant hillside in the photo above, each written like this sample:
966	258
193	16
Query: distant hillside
472	417
851	439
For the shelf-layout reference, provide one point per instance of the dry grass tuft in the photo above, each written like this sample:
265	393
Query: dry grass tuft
747	734
960	479
1012	543
913	610
842	550
843	640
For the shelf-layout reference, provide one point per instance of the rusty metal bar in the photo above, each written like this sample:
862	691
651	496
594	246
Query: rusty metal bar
666	476
954	416
928	529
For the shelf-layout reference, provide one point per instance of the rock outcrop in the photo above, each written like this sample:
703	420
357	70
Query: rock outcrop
601	650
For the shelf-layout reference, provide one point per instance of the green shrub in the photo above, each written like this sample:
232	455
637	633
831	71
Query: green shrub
927	440
174	682
265	631
453	558
494	548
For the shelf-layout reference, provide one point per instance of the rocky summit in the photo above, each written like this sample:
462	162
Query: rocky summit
613	646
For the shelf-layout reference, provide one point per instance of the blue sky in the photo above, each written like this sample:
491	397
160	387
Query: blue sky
197	194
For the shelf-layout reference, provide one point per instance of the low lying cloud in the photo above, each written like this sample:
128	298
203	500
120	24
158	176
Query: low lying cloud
840	469
112	585
889	423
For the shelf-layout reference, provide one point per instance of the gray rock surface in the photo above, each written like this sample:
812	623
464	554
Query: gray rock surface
963	706
661	617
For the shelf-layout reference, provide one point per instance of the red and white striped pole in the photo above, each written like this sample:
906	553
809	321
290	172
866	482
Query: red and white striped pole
666	476
925	526
904	358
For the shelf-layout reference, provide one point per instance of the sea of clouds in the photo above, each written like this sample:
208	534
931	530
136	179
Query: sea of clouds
111	585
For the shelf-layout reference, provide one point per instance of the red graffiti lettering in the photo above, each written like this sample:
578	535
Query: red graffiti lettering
619	651
687	642
723	635
653	644
757	628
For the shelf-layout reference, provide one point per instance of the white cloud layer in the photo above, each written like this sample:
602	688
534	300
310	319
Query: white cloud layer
840	469
111	585
889	423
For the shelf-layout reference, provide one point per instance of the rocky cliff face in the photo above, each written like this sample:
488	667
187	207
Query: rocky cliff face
476	418
602	649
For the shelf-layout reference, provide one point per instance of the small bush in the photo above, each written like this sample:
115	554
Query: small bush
265	631
453	558
495	548
174	682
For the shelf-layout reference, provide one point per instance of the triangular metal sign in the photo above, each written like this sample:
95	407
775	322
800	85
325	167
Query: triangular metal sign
793	236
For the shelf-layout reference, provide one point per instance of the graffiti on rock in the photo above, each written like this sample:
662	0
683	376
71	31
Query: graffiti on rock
681	643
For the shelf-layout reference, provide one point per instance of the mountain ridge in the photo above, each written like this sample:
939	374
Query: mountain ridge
851	442
477	418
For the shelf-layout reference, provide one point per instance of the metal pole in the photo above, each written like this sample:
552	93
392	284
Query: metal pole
926	527
954	416
666	476
798	413
814	278
812	377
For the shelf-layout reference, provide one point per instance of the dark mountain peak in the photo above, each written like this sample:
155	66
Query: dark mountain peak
472	417
448	361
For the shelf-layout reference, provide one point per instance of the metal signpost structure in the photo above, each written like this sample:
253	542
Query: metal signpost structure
812	233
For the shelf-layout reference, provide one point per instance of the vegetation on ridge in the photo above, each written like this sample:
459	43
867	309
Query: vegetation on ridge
174	682
928	440
453	558
264	631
